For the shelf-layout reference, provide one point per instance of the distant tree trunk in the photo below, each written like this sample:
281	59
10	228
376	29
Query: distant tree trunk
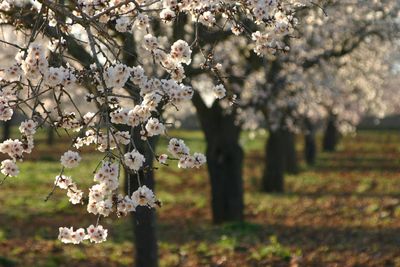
50	135
144	219
331	135
280	157
273	177
310	147
224	160
7	129
289	142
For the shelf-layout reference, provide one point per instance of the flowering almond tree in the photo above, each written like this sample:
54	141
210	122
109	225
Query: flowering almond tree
271	89
283	92
132	60
286	91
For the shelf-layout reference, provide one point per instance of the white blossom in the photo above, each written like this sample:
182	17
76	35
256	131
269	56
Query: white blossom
13	148
6	111
28	127
163	158
219	91
181	52
63	181
97	234
143	196
134	160
154	127
9	168
70	159
177	148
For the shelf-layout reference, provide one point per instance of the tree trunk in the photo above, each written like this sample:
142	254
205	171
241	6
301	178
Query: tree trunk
331	135
310	147
144	219
50	135
289	142
273	177
224	161
6	130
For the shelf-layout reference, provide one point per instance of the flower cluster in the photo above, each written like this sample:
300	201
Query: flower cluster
16	148
35	63
6	111
65	182
100	195
141	197
103	141
171	62
96	234
179	150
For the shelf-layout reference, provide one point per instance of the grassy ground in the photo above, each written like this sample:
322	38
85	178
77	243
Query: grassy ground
343	212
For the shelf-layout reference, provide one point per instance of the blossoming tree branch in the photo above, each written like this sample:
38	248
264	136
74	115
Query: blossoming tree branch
126	99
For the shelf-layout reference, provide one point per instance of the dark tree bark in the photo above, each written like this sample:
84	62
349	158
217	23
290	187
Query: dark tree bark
310	147
144	219
224	160
6	130
331	135
280	157
50	135
273	177
289	142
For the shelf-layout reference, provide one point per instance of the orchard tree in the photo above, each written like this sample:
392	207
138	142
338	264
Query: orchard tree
116	51
353	90
328	32
217	110
279	111
347	26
